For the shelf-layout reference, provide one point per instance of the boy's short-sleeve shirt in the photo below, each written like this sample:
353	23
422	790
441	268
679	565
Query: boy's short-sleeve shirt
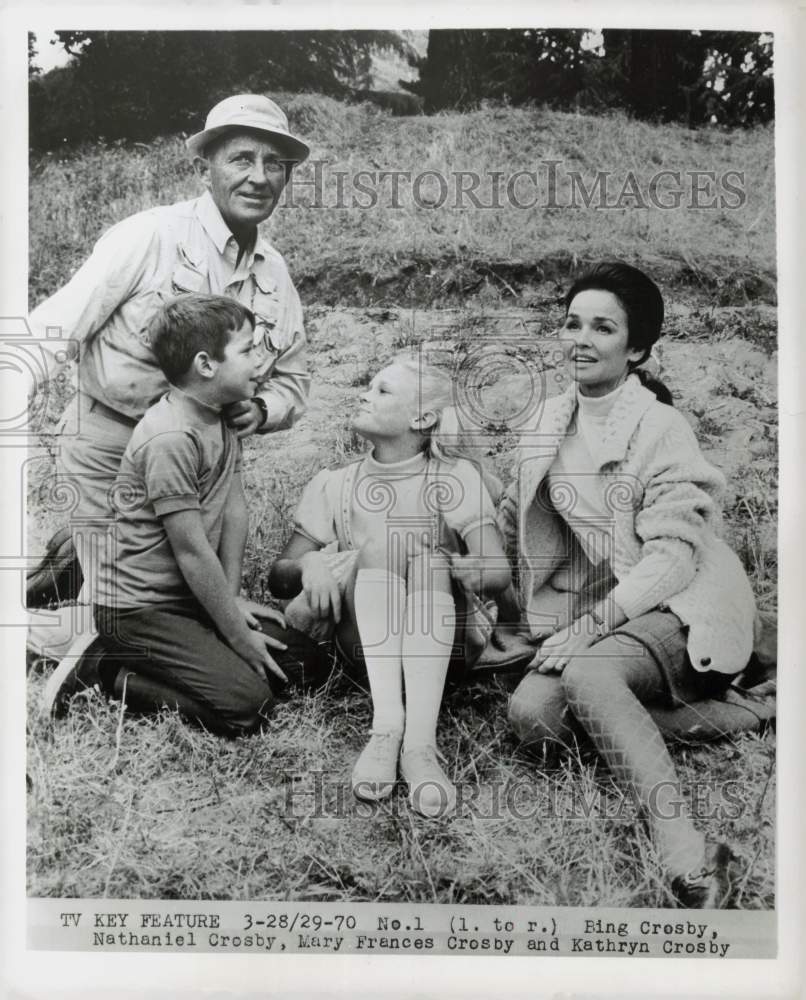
408	496
181	456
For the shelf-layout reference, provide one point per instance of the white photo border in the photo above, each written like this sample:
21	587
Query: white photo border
43	974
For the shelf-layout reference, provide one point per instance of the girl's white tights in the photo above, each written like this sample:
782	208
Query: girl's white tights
404	638
380	608
427	642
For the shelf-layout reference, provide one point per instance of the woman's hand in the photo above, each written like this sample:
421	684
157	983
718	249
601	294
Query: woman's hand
557	649
320	586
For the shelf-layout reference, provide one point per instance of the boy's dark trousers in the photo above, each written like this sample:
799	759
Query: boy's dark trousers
170	654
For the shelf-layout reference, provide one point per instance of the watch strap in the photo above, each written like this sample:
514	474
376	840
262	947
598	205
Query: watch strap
261	405
599	622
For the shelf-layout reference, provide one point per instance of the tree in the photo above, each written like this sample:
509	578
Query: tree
463	67
188	71
33	69
657	73
738	82
692	76
689	76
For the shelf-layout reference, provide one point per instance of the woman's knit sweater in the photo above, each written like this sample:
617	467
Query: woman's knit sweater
663	499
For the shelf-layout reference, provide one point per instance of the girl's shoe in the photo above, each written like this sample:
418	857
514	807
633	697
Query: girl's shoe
431	792
375	771
710	888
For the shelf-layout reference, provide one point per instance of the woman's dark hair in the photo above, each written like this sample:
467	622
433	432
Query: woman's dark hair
640	299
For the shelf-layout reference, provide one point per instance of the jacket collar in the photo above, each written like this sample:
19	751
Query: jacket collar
213	222
632	403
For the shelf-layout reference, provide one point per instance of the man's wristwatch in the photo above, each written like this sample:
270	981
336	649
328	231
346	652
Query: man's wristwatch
264	410
601	628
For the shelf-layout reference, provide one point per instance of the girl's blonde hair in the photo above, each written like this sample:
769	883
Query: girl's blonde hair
446	440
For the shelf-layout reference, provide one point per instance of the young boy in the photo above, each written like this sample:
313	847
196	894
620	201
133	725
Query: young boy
168	609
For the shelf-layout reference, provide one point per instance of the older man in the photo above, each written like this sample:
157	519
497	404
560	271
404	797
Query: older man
244	157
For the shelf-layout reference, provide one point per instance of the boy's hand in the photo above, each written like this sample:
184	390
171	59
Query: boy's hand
245	417
254	612
252	647
320	586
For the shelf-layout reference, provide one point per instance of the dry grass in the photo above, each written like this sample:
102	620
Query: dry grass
153	807
150	807
75	199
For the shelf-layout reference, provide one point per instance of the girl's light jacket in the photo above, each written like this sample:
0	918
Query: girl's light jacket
663	501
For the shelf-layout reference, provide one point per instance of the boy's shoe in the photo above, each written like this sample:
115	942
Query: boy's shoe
710	888
57	577
375	772
52	633
431	792
77	671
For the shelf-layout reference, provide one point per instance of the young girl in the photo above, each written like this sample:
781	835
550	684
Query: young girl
615	489
411	527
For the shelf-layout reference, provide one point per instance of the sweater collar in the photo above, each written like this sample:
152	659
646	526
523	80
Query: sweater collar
597	408
631	403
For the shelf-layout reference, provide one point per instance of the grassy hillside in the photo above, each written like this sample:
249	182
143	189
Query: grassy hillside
340	254
125	807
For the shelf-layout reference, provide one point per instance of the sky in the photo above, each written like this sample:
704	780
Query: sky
48	56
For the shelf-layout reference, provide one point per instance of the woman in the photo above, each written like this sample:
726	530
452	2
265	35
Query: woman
614	521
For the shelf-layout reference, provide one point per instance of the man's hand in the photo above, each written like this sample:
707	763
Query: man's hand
254	612
557	650
252	647
245	417
320	586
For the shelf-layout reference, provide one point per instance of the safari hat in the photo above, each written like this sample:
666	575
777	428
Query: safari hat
248	111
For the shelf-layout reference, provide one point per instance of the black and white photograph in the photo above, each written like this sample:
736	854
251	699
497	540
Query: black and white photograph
400	543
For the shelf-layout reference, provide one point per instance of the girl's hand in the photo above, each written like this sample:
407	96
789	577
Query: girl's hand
538	637
557	650
467	570
320	586
509	636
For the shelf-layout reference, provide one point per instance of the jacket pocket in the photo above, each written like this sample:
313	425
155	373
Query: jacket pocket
184	279
268	310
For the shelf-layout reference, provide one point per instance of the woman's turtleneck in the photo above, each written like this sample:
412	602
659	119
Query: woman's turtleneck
592	415
574	475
